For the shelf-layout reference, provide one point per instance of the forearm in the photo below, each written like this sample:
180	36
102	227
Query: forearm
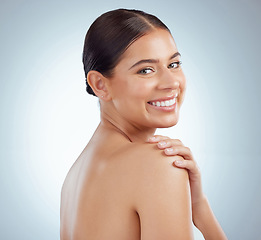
205	220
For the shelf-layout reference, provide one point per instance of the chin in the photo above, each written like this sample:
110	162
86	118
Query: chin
167	123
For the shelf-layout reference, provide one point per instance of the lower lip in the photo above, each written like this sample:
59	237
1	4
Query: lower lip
165	109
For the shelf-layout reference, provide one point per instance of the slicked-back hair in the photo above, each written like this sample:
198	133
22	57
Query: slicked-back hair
110	35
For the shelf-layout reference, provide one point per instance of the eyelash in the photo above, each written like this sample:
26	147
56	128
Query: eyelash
144	69
178	63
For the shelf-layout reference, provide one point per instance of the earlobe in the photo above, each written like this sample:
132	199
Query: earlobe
97	82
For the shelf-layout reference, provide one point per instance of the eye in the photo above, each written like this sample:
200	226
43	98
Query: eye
145	71
175	64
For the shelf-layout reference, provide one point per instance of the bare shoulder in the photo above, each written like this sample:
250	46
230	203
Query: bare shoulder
150	162
148	166
162	196
155	168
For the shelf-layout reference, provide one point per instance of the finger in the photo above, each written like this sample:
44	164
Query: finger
169	143
190	165
185	152
157	138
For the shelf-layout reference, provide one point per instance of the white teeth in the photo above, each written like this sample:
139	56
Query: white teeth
164	103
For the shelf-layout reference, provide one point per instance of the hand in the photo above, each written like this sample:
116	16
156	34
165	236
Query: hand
174	147
202	215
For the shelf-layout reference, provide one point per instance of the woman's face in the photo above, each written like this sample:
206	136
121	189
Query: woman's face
147	80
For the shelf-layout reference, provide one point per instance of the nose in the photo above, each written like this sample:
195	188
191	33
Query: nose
168	80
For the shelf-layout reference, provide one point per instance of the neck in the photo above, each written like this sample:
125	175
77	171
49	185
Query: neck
131	132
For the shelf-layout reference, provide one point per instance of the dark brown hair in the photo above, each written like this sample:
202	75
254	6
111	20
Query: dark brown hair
110	35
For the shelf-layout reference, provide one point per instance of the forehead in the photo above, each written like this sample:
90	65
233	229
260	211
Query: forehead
158	44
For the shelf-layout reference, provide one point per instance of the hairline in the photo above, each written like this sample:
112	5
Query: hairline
150	30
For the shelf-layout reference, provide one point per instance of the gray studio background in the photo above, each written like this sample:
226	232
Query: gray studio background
47	117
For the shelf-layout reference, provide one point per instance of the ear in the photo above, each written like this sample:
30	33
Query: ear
98	84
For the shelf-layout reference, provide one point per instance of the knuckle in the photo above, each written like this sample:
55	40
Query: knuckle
179	142
188	149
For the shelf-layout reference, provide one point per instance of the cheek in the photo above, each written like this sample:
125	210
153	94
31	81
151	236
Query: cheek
137	89
183	86
142	88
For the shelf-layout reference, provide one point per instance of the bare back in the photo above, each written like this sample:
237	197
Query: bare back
97	196
100	193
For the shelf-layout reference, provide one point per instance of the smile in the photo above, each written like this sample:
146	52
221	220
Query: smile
166	103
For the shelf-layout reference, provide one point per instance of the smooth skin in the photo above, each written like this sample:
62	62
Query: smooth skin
132	193
122	187
202	214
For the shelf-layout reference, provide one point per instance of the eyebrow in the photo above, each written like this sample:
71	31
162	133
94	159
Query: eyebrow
153	60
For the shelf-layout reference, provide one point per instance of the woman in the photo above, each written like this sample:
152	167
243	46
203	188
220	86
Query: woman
123	185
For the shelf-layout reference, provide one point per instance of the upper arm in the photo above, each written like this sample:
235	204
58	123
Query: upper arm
163	202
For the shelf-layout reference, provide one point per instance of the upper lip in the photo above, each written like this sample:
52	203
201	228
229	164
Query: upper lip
165	98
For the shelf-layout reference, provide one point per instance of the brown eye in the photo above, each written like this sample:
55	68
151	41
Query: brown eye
145	71
175	64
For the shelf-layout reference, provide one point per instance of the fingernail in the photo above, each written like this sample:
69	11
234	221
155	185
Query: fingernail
152	139
162	143
179	163
169	150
